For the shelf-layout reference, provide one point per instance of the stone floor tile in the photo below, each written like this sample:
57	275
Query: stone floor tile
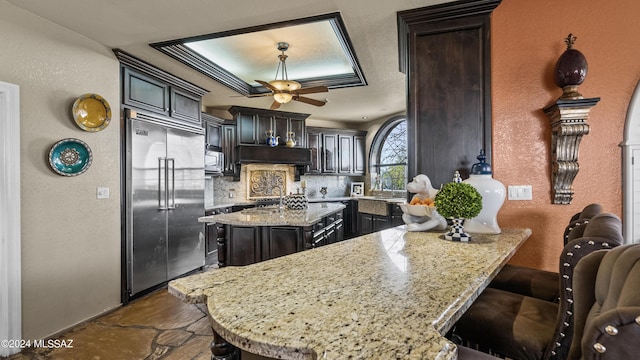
201	327
154	327
173	338
193	348
97	341
160	310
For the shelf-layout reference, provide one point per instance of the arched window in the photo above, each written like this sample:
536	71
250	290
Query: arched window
388	156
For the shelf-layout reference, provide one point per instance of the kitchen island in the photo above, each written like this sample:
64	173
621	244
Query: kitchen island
262	233
392	294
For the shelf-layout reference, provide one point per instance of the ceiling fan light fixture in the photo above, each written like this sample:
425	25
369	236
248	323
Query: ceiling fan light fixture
284	90
282	98
285	85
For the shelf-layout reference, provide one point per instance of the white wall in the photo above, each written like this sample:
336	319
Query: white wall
70	240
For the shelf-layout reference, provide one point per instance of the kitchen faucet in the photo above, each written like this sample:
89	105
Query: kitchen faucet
281	206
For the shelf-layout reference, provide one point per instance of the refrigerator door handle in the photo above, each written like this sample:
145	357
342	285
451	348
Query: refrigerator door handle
171	184
162	183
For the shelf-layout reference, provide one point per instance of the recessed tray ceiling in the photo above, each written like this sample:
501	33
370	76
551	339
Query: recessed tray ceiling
320	53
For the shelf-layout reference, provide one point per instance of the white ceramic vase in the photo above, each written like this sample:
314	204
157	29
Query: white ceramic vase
493	194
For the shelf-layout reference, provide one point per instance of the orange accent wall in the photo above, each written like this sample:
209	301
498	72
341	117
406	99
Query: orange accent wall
527	39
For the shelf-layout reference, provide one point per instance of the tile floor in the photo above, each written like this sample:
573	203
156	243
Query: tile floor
156	326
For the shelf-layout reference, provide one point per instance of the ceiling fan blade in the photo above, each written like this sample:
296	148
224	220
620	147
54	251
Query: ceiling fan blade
311	90
309	100
267	85
274	105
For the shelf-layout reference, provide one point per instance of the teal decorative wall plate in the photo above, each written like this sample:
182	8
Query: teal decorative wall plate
70	157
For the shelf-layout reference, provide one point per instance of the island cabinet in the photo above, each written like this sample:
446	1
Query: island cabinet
348	227
253	124
258	234
213	233
327	231
245	245
335	151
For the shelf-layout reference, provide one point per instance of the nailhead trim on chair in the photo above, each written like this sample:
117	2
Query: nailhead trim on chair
571	227
561	340
611	330
599	348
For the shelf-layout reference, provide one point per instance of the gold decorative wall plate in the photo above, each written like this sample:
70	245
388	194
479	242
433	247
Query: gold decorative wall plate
91	112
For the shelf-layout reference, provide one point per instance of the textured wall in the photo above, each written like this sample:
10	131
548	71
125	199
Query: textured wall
527	39
70	240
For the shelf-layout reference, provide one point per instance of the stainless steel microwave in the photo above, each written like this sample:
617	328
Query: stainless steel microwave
213	162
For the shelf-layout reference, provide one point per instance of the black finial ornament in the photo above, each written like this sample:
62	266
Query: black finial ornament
570	40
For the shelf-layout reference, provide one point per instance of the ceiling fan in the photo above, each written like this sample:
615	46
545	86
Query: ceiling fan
285	90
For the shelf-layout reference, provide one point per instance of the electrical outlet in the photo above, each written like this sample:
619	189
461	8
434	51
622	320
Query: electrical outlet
520	192
102	193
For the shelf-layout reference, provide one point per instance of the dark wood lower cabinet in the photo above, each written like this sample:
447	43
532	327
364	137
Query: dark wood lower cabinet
213	232
280	241
395	212
369	223
242	245
245	245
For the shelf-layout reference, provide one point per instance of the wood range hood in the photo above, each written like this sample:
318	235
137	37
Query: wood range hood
296	156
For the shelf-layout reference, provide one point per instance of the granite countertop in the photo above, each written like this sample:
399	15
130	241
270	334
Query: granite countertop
387	295
314	200
270	216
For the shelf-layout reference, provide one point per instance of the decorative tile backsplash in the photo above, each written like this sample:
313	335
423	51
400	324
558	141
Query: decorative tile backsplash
263	183
224	186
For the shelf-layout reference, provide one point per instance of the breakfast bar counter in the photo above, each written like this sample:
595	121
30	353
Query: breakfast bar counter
388	295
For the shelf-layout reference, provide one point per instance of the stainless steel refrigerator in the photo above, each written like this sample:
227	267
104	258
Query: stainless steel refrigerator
164	199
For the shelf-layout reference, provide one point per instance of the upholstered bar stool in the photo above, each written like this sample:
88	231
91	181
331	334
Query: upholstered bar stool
607	305
537	283
524	327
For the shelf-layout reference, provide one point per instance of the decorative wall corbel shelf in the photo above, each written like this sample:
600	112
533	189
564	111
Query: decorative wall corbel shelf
568	125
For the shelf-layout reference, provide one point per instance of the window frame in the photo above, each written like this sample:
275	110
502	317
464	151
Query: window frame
376	148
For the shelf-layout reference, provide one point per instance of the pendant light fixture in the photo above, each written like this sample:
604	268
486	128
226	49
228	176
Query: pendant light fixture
283	83
285	90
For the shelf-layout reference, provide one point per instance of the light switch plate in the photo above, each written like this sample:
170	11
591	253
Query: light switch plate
520	192
102	193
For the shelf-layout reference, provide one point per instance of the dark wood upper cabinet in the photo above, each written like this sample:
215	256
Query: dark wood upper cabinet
445	52
254	123
153	90
213	131
336	151
313	141
345	154
330	153
359	154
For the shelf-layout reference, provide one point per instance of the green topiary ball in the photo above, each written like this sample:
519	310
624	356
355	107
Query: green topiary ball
458	200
